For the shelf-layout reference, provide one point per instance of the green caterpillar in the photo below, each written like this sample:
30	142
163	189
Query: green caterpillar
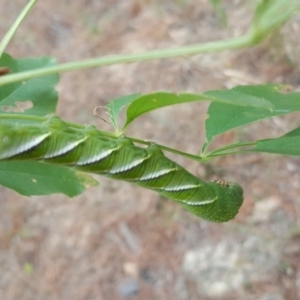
88	150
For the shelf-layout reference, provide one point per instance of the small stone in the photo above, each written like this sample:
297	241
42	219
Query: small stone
130	269
128	288
264	209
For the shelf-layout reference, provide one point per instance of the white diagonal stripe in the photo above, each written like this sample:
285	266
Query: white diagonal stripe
34	141
68	147
95	158
181	187
199	202
156	174
127	167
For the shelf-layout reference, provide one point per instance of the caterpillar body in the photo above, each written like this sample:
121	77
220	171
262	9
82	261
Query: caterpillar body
88	150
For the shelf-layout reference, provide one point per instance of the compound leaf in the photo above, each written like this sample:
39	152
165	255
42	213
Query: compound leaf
288	144
223	117
115	106
35	178
36	96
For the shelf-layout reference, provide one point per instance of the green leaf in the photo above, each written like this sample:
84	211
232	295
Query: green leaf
149	102
115	106
240	97
35	96
288	144
223	117
35	178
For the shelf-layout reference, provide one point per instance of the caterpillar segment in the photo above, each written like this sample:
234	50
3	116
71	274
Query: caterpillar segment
88	150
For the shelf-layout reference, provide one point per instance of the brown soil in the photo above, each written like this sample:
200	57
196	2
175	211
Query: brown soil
117	239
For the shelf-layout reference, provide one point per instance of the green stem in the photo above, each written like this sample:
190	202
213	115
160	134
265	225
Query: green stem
43	119
215	153
105	133
212	155
231	146
23	117
204	148
234	43
165	148
15	26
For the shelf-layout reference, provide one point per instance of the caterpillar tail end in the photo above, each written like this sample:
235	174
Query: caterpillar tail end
228	200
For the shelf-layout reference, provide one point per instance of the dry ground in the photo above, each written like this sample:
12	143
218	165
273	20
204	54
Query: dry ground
118	240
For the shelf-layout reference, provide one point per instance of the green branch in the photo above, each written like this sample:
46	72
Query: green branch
231	146
268	15
168	149
213	155
222	151
32	118
231	44
44	119
7	38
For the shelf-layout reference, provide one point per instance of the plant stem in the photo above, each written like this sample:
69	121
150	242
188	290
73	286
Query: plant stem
215	153
212	155
217	46
237	145
44	119
204	148
23	117
105	133
162	147
15	26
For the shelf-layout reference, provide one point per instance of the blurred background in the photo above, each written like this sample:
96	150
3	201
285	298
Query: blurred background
118	241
